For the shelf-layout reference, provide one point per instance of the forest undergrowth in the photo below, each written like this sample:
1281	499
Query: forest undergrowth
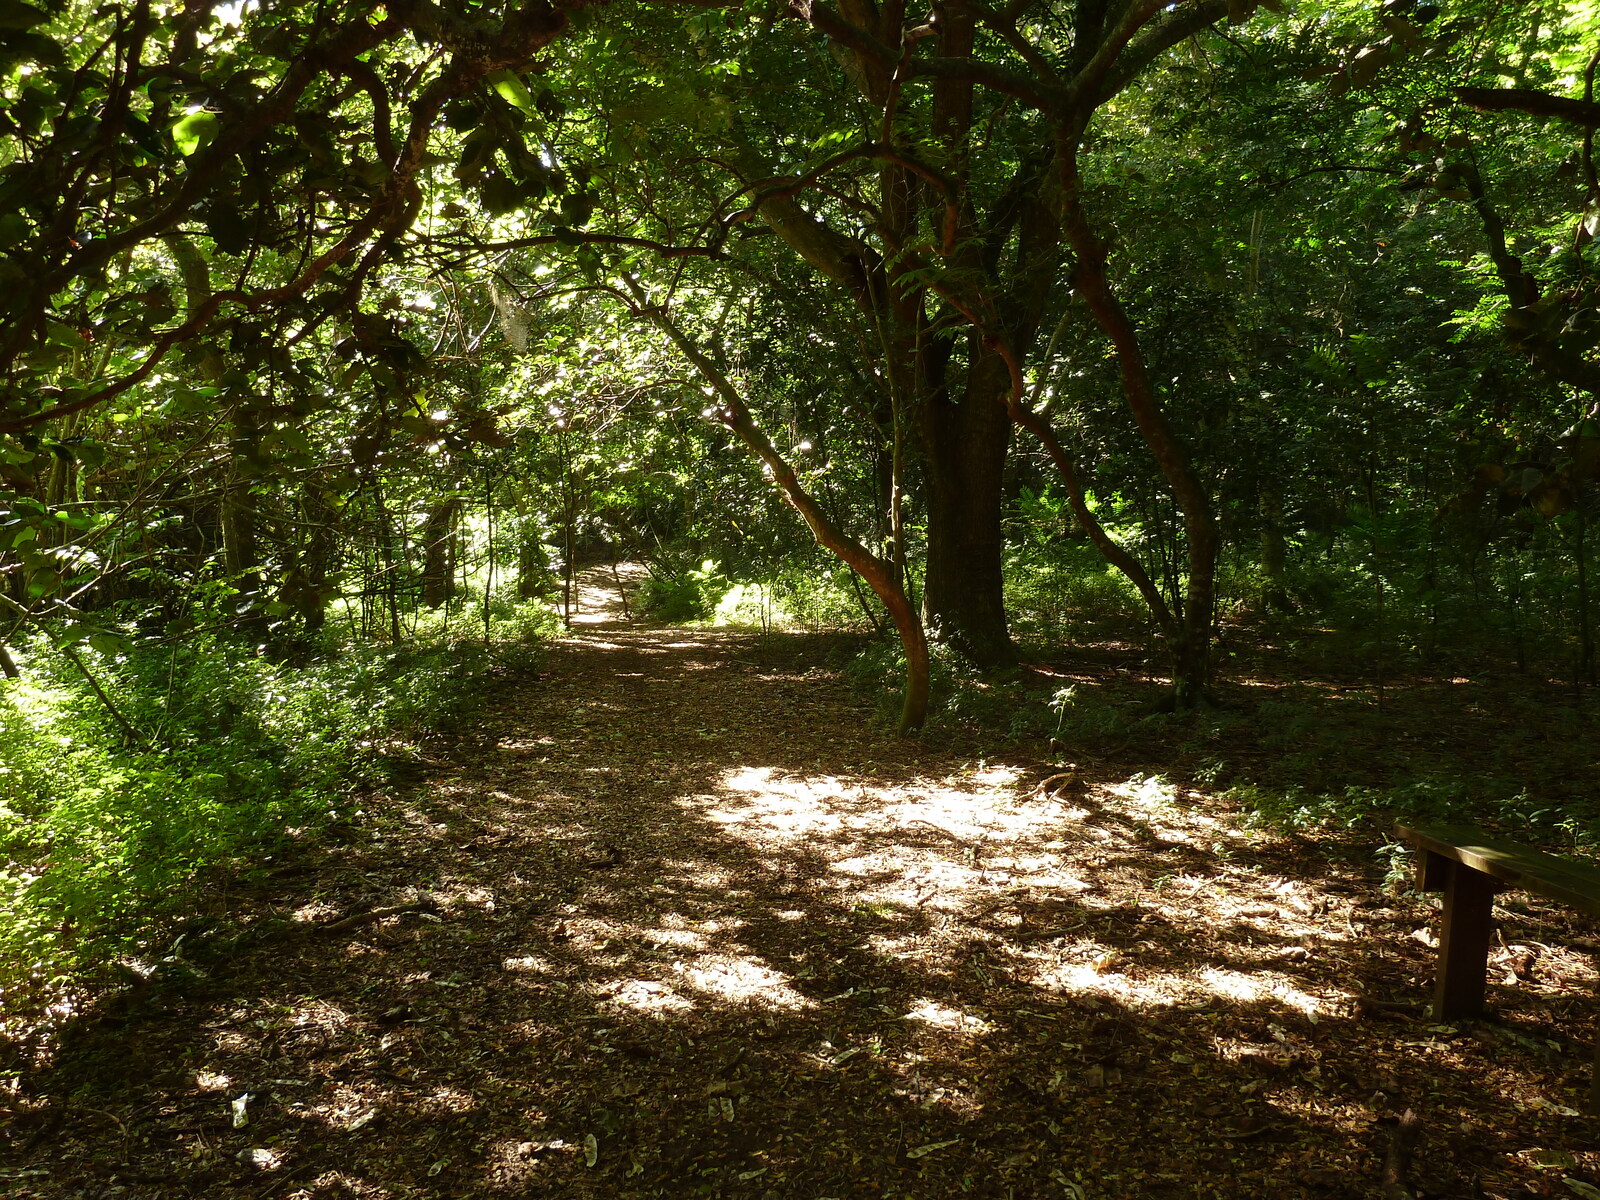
1306	730
133	780
674	917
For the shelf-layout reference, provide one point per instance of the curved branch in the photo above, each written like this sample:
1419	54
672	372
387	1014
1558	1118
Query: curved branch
382	115
874	571
1158	37
1529	100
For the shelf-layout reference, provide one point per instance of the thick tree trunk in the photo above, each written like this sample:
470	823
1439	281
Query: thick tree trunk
320	551
964	444
241	554
965	448
438	565
1274	549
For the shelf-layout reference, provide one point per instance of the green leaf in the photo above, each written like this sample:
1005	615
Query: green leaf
108	643
576	209
18	47
16	15
13	228
500	195
195	131
513	91
229	229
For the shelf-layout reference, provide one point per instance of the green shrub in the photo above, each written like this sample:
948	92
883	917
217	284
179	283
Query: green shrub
1053	595
101	839
688	595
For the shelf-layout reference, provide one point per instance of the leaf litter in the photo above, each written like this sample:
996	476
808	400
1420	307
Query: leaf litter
677	920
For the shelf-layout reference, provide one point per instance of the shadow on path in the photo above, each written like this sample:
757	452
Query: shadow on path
685	924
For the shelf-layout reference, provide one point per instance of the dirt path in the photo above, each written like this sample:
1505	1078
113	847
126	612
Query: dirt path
684	923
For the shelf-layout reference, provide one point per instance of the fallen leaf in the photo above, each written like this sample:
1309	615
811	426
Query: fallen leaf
1561	1110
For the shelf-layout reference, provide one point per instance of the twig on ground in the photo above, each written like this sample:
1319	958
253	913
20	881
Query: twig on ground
956	838
376	914
1367	1006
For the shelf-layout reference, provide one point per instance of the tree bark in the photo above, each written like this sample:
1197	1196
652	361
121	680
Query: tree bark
1274	548
320	552
438	566
965	444
963	440
240	546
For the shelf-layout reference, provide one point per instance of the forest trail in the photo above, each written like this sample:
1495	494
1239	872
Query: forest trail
680	920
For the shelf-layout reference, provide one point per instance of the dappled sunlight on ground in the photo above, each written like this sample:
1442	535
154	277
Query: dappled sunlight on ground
982	849
679	921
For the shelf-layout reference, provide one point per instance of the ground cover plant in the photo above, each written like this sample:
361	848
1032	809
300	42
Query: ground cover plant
211	765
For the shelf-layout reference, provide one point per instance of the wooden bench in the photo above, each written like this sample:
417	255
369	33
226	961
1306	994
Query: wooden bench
1469	867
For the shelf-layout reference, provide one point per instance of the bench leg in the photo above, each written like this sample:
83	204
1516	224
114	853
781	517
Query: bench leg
1464	943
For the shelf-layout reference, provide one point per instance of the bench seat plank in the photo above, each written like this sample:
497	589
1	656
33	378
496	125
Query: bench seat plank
1523	867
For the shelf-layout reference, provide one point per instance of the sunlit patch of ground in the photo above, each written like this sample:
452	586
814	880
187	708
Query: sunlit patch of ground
694	927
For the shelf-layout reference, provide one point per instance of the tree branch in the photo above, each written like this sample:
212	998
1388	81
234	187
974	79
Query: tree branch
1529	100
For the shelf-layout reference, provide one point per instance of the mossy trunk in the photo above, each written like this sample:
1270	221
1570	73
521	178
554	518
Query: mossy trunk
241	555
1274	549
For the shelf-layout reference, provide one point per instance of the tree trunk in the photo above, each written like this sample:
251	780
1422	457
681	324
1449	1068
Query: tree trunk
1586	671
1274	548
964	443
240	550
965	446
438	575
319	553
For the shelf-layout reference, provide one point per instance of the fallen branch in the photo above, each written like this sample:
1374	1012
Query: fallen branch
376	914
1055	786
1366	1006
956	838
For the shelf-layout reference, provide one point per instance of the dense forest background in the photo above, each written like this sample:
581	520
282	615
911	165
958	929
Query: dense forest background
1117	371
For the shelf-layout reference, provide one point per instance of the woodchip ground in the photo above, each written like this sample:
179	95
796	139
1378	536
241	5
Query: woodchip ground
677	919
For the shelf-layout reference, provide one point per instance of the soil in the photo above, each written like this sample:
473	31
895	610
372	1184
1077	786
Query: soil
678	919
